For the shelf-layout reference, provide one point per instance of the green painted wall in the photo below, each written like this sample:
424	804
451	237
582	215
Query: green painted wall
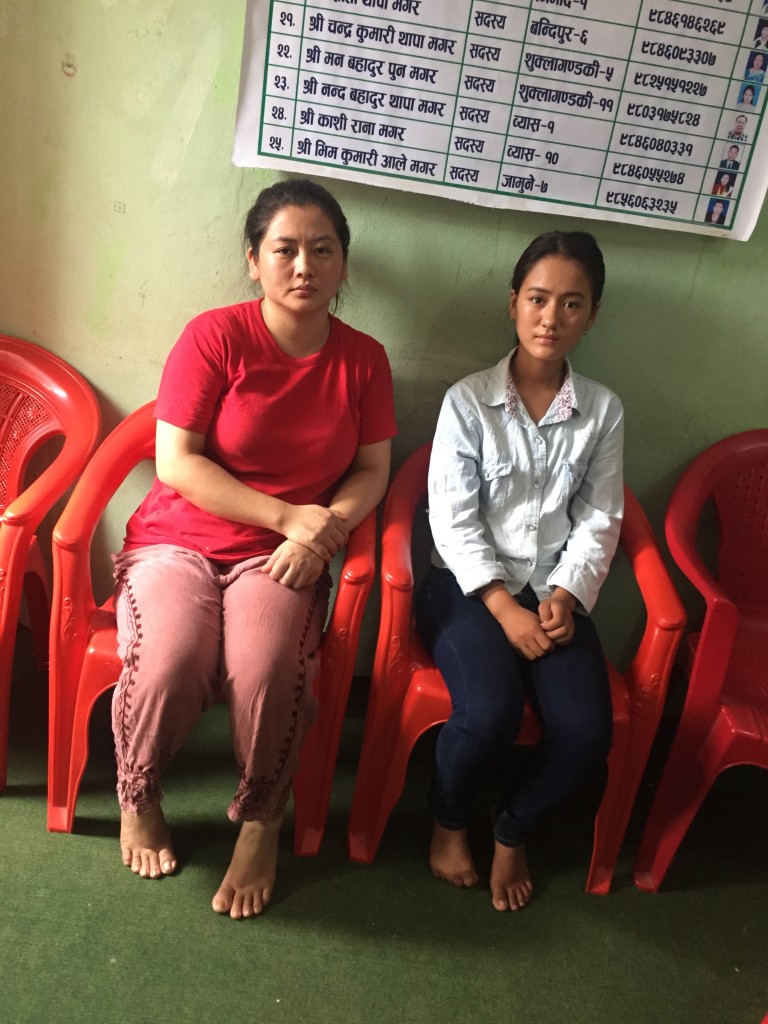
121	216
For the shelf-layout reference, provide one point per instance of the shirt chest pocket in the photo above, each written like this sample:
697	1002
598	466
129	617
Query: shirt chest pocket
571	475
498	481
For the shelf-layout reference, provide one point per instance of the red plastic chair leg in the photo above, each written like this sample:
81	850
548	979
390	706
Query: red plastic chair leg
366	827
385	780
687	780
70	718
661	842
37	592
313	783
10	598
66	767
612	816
5	708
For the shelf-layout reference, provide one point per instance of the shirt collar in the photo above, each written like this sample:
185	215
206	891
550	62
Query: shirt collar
565	403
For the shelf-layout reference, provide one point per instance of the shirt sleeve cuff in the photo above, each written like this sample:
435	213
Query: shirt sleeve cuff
475	578
583	590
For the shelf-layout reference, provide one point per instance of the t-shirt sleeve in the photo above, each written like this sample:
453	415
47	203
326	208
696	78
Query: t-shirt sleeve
193	378
377	408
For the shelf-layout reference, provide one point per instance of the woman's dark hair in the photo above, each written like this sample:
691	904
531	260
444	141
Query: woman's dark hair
295	192
573	245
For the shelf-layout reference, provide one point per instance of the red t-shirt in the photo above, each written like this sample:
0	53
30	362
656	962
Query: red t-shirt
286	427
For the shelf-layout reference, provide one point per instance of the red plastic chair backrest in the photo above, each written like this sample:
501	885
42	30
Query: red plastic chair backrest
734	474
41	397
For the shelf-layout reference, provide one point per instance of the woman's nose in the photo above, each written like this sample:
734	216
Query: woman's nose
303	264
549	314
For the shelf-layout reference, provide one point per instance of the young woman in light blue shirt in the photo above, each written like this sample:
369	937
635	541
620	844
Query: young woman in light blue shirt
525	500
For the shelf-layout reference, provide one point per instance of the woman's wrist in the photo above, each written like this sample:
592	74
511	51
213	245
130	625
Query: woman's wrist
281	517
565	597
497	599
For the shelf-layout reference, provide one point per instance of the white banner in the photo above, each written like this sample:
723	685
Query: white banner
644	111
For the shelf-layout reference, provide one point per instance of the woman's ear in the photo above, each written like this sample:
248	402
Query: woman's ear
513	305
593	315
253	265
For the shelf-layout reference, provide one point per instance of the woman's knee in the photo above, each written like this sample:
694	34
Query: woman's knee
168	619
583	742
285	652
487	695
492	718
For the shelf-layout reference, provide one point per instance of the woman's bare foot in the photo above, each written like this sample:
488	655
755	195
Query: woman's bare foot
247	886
450	858
511	886
146	843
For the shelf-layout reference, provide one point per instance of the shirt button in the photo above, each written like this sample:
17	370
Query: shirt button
531	526
536	483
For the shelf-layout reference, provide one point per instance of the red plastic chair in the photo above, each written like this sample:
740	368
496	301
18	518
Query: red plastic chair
84	662
408	695
41	397
724	721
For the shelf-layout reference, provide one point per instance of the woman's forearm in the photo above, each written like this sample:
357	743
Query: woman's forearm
364	485
182	465
211	488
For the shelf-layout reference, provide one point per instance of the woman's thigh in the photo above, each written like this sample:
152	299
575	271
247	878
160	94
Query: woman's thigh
571	691
270	631
168	609
480	668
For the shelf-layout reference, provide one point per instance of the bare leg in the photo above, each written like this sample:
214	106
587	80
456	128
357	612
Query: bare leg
511	886
247	886
146	843
450	857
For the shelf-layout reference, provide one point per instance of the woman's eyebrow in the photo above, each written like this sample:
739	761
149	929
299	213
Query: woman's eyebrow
317	238
537	288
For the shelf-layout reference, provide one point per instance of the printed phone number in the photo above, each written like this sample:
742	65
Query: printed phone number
649	112
651	204
665	83
657	175
652	144
691	22
670	51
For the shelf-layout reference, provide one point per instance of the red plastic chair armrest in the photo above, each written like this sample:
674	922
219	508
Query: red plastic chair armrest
121	452
355	579
665	614
30	506
721	621
397	581
127	446
359	563
680	527
396	556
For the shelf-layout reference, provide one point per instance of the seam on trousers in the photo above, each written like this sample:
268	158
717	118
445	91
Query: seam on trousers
138	787
253	792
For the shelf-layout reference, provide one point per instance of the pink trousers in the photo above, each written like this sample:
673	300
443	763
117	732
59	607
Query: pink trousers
191	631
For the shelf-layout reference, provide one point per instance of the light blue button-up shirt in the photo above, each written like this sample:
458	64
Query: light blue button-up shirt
525	502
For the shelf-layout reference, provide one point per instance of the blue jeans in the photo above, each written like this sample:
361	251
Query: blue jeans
488	681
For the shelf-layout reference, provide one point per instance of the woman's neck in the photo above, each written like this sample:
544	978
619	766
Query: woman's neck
296	336
535	374
537	383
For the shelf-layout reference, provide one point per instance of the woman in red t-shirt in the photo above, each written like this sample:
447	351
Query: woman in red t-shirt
274	422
